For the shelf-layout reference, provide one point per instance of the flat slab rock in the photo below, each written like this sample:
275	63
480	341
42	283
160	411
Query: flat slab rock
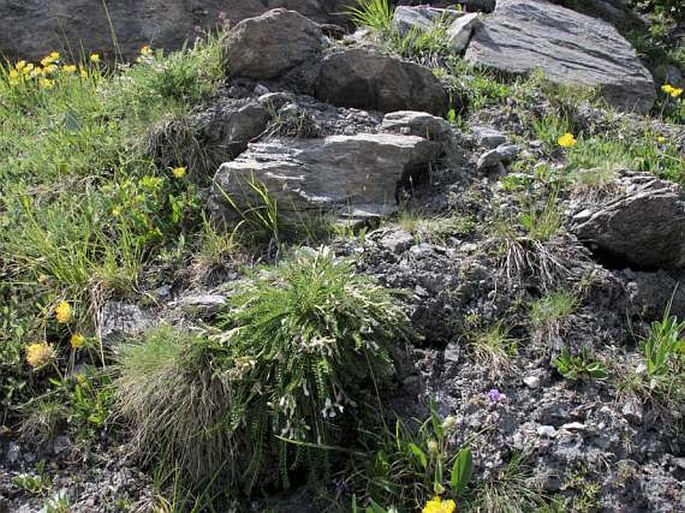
355	175
571	48
642	227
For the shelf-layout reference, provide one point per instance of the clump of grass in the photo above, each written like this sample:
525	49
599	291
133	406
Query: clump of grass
284	376
510	490
435	229
550	313
374	14
493	347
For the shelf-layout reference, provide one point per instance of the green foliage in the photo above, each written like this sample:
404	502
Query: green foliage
35	484
541	223
493	347
301	341
409	466
553	308
509	490
580	366
664	355
374	14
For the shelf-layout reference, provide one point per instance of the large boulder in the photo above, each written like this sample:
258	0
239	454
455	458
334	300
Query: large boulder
29	29
571	48
356	175
270	45
370	80
642	226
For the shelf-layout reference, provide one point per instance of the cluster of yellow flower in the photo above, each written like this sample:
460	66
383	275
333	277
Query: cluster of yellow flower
44	74
40	354
567	141
146	54
179	172
438	505
675	92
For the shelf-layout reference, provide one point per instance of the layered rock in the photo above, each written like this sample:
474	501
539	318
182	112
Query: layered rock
569	47
355	175
32	28
643	226
268	46
370	80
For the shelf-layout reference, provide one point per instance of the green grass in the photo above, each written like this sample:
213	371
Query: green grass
83	208
280	379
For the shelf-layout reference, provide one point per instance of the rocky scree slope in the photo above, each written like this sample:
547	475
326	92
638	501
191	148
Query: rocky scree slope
508	258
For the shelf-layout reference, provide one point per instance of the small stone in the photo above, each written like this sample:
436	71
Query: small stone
532	381
632	410
488	137
574	426
547	431
13	452
397	241
60	444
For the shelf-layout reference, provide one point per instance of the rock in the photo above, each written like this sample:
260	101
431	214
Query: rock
275	101
532	381
493	159
397	241
632	410
574	426
356	175
459	32
488	137
119	320
421	17
547	431
571	48
422	124
370	80
202	303
31	29
643	226
268	46
13	452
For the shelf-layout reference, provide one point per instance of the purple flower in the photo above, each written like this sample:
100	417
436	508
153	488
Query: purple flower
494	395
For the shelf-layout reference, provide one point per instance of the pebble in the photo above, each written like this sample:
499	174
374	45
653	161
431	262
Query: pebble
532	381
547	431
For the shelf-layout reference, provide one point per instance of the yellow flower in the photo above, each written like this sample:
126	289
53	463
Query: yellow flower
50	68
94	58
437	505
567	140
146	51
44	83
28	68
13	74
77	341
667	88
661	139
179	172
116	211
83	72
63	312
20	65
69	68
51	58
40	354
677	91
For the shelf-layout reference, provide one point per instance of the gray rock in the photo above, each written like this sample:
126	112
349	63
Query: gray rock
488	137
546	431
532	381
421	17
353	175
370	80
571	48
268	46
33	28
642	226
422	124
275	101
119	320
459	32
203	303
13	452
632	410
397	241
